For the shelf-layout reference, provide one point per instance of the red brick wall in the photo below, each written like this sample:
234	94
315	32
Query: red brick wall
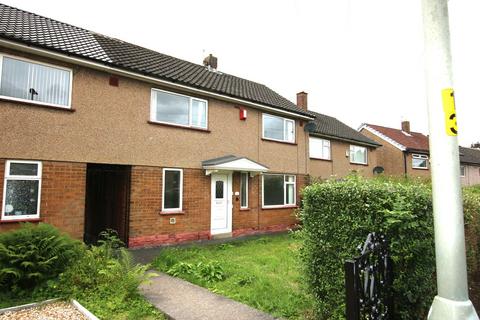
148	226
62	199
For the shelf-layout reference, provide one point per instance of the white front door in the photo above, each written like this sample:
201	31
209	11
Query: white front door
221	195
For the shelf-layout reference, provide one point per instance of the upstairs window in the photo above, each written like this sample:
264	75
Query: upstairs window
319	148
21	197
36	82
277	128
177	109
358	154
419	161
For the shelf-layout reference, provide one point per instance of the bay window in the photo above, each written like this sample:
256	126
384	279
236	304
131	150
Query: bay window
21	191
278	190
178	109
40	83
278	128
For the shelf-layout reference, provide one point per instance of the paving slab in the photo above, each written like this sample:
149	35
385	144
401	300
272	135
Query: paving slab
182	300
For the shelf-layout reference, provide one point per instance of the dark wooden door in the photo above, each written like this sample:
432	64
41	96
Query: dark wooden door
107	201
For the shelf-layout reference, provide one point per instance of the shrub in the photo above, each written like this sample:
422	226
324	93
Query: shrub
208	272
471	208
34	254
106	280
337	217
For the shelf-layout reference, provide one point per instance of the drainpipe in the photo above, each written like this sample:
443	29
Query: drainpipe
451	302
405	163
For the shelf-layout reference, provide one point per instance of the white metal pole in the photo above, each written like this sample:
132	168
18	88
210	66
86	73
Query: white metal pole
452	300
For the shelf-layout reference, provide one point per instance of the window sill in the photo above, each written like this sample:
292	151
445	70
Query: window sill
420	168
280	207
169	213
20	220
245	209
312	158
360	164
278	141
36	104
177	126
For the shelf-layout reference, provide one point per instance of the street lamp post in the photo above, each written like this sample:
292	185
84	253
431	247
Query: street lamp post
451	302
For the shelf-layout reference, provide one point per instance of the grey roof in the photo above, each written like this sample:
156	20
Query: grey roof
470	156
330	127
35	30
225	159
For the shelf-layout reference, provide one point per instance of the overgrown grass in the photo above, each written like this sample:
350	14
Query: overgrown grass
262	273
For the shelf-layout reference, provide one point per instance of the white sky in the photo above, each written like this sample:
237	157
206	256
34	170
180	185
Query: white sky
359	60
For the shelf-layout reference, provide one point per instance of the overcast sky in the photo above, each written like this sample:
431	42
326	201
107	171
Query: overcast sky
359	60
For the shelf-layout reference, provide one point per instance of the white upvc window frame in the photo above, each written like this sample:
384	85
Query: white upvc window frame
420	156
285	183
181	191
8	176
153	109
358	162
464	171
246	190
70	71
325	143
285	134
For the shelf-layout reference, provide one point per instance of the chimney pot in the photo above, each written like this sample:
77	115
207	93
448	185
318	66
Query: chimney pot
406	126
210	61
302	100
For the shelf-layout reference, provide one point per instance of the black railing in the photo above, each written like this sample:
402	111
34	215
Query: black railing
368	281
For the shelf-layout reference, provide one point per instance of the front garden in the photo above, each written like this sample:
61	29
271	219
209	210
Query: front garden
38	263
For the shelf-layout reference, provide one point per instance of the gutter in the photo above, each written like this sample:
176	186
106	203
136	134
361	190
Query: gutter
346	140
137	76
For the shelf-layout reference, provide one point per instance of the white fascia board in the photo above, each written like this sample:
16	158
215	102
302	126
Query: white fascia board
138	76
238	165
383	137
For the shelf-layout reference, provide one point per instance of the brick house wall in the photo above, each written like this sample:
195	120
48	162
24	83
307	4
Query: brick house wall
62	200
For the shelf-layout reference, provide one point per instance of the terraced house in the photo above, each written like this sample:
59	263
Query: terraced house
100	133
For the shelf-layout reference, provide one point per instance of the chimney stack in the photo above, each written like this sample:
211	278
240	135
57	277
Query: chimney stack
302	100
210	61
406	126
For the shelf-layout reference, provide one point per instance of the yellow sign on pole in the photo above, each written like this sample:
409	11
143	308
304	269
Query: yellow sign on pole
448	99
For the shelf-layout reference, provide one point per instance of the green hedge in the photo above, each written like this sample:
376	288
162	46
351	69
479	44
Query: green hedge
337	217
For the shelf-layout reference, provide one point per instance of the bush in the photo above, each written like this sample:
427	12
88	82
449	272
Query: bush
337	217
34	254
106	281
471	208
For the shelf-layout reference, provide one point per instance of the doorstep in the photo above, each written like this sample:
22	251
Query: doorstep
222	235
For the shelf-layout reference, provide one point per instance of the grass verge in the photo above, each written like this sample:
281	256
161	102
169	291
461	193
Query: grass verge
263	273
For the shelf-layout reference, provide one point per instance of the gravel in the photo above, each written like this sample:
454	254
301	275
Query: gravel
49	311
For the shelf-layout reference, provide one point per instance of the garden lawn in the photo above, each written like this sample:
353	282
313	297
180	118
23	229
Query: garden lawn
263	273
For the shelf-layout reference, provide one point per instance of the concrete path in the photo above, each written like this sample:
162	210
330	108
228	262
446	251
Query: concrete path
181	300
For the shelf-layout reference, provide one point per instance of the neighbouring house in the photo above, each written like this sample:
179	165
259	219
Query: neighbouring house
469	166
335	149
403	151
100	133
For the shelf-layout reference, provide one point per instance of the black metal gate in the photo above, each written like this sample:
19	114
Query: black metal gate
368	281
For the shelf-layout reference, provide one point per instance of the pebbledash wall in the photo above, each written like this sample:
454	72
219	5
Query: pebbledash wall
110	125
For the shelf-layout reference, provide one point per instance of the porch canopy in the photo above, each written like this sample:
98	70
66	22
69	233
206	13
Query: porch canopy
233	163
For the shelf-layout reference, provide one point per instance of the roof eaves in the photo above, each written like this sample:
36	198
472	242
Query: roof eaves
384	137
321	135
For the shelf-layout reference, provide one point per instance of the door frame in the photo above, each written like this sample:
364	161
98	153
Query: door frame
229	196
128	171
